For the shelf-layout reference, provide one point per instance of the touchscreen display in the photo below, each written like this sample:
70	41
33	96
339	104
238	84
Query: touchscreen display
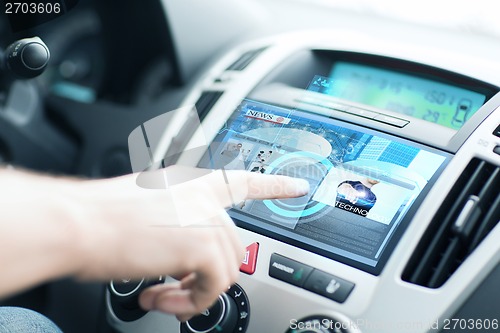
436	102
362	183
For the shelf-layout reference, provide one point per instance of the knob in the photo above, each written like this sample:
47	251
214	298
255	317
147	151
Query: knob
27	58
219	318
126	292
124	297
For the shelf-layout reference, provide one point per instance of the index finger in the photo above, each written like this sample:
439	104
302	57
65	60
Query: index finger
234	186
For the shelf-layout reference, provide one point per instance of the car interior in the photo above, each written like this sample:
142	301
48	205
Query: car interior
390	111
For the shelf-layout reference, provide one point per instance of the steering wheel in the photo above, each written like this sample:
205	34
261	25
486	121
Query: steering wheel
43	127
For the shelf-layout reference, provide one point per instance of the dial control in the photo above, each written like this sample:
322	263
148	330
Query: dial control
230	313
126	292
124	297
221	317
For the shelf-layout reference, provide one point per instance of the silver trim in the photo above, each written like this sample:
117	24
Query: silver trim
222	313
112	286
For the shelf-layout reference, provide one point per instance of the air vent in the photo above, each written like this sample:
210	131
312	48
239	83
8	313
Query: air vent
206	101
470	211
245	60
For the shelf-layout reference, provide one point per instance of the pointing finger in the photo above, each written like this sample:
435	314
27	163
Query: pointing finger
233	186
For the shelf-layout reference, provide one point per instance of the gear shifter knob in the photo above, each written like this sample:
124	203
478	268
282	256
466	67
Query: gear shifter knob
26	58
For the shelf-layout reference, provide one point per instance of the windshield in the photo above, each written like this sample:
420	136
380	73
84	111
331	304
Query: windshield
477	17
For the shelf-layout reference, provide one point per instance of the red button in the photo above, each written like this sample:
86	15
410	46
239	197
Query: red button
250	261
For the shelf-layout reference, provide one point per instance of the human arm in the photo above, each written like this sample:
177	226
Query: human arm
108	229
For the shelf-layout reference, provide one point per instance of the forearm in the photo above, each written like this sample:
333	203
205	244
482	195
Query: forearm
53	227
112	228
40	235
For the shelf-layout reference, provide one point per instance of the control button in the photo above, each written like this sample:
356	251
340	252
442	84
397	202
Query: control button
382	118
249	263
496	150
35	56
496	132
288	270
125	287
329	286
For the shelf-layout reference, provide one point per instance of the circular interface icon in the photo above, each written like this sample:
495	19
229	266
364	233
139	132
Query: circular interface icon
306	165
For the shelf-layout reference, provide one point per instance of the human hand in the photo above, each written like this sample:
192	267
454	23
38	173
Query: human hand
180	231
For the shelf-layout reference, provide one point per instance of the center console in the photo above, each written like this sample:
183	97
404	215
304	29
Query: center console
403	160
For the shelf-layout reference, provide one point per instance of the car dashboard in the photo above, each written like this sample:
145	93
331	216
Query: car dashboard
401	152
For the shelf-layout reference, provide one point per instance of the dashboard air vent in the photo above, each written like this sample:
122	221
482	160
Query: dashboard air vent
470	211
245	60
206	101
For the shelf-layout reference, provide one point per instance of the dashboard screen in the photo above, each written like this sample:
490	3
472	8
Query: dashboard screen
363	183
421	98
